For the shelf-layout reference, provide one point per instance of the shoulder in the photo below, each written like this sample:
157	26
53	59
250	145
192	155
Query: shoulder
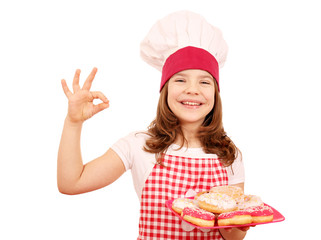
136	137
236	170
130	148
238	157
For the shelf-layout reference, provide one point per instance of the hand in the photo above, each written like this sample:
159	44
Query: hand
80	102
243	229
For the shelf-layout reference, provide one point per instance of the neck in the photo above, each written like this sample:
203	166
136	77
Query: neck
190	134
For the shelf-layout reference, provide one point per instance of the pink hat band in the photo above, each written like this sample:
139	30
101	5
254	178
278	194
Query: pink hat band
189	58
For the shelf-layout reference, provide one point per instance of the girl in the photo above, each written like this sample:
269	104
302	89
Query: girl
185	149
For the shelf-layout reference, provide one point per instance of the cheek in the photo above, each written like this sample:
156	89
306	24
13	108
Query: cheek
210	97
171	97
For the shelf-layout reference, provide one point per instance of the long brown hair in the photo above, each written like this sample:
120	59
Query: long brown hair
165	128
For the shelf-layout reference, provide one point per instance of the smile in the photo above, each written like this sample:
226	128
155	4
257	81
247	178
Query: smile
191	103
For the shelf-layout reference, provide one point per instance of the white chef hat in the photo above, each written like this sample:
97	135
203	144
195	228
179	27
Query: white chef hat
184	40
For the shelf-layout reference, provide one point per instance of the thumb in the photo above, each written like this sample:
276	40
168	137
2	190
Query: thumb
101	106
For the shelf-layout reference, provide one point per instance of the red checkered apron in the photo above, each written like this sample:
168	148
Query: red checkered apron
173	181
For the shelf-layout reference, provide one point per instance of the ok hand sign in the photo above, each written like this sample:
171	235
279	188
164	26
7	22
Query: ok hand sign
80	102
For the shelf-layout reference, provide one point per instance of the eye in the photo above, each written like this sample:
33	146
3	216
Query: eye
179	80
205	82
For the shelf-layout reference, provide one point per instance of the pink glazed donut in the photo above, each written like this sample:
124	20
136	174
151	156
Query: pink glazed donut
198	217
180	203
261	214
234	218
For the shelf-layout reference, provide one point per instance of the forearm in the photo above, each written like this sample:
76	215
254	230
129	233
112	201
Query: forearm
69	164
233	234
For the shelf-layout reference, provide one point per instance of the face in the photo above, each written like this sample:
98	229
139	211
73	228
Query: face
191	95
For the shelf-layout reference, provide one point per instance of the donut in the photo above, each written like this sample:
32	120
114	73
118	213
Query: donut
261	214
198	217
180	203
250	201
233	191
234	218
199	194
216	202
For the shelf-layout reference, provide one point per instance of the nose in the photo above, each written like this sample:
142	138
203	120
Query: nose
192	88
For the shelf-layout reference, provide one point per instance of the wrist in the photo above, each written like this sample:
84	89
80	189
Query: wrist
232	233
72	123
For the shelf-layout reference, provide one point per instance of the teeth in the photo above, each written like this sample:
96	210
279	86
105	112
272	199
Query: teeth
191	103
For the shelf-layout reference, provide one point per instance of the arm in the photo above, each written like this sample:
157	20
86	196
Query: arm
73	177
234	233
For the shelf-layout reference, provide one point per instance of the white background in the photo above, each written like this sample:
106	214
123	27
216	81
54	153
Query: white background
269	87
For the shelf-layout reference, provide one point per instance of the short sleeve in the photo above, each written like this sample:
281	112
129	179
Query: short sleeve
130	149
236	171
123	147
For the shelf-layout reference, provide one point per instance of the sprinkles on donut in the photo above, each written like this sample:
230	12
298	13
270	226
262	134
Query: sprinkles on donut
261	214
198	217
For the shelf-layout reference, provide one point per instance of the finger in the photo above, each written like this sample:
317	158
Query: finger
90	79
75	83
67	92
99	95
100	107
228	229
244	229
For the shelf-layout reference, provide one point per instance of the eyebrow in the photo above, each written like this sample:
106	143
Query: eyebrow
200	76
